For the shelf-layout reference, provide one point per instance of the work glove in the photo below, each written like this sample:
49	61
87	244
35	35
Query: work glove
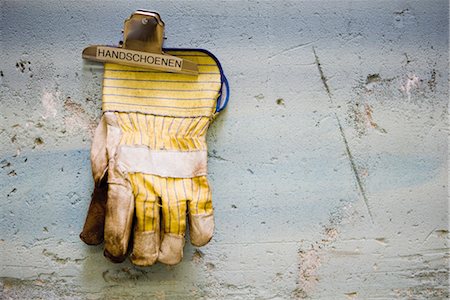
149	152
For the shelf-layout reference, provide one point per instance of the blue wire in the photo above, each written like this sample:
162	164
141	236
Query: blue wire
227	97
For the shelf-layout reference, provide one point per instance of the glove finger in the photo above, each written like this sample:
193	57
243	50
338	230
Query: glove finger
99	155
201	218
93	228
118	221
173	198
92	233
146	232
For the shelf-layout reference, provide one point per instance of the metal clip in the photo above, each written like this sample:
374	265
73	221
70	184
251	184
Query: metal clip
143	37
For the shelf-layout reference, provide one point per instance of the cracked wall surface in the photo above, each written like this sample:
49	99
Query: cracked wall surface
329	168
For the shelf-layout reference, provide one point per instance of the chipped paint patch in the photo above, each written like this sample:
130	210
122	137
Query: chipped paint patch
411	83
76	118
308	265
362	117
49	101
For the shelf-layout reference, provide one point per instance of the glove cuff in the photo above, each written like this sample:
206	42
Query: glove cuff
131	89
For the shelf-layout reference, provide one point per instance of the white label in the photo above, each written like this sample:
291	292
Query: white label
139	58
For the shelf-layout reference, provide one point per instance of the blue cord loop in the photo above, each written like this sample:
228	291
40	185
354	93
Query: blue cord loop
219	105
225	84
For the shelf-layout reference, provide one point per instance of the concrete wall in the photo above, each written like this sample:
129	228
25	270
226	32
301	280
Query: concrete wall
329	167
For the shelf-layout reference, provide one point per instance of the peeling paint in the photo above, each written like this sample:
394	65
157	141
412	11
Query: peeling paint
412	83
50	105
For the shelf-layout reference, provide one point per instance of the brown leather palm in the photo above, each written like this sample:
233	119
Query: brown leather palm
93	229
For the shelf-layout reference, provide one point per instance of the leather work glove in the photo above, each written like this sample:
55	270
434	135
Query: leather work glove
149	152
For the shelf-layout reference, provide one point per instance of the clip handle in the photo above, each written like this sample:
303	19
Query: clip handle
144	31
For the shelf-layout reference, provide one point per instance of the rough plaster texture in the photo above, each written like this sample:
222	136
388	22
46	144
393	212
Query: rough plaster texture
329	167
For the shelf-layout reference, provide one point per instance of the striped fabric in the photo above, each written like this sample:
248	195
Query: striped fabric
131	89
176	195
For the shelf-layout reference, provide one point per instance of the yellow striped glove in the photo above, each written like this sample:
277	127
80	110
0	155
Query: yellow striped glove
150	151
